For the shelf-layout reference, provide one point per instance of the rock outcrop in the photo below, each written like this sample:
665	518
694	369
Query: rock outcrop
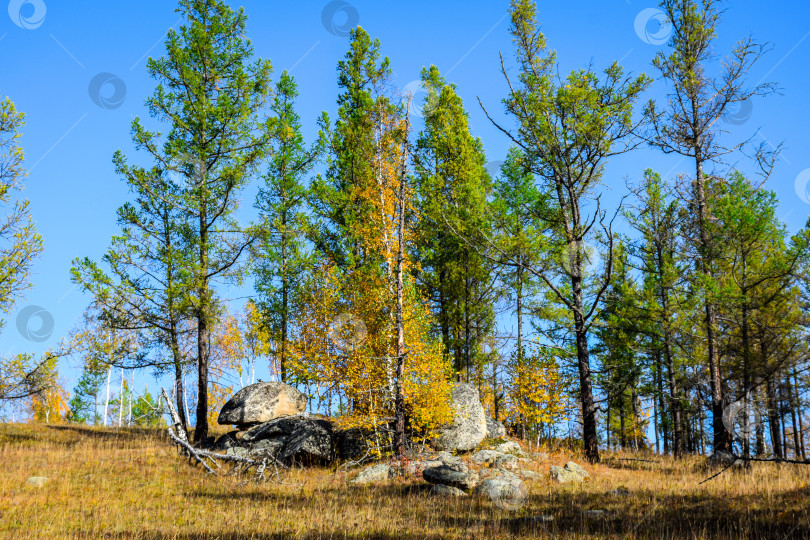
469	425
440	490
376	473
262	402
291	439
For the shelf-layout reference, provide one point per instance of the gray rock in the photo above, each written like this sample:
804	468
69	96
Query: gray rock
309	442
448	459
440	490
593	514
238	451
455	476
574	468
486	456
505	472
469	425
262	402
509	447
294	439
272	446
37	481
506	461
495	429
376	473
506	492
563	475
415	468
725	459
529	475
226	441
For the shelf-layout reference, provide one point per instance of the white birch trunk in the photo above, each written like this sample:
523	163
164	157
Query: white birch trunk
185	399
107	400
121	399
131	395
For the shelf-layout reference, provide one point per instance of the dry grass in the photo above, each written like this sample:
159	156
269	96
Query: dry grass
109	484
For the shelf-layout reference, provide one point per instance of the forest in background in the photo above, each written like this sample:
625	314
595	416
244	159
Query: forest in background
382	280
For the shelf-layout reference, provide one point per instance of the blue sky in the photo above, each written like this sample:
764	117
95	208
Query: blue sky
55	54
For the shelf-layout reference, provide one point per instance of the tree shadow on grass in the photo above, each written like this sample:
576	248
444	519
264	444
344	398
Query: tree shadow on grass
677	517
335	533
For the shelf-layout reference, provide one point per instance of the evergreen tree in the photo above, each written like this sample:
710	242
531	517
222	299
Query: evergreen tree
335	199
21	375
213	95
690	126
570	128
281	255
453	186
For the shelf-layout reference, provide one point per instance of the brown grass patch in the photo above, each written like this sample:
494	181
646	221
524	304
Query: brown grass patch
106	483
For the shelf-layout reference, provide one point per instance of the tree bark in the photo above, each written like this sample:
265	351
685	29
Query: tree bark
203	327
399	413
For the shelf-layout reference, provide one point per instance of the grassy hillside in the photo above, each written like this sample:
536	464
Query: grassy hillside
131	483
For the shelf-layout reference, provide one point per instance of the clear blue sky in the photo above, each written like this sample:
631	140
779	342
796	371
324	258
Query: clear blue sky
51	51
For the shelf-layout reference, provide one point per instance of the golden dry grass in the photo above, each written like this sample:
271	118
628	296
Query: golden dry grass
131	484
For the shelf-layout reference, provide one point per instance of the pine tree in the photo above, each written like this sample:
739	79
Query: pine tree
213	95
21	375
570	127
700	94
281	255
656	217
453	187
335	197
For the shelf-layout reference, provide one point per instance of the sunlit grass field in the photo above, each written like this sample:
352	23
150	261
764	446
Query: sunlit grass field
106	483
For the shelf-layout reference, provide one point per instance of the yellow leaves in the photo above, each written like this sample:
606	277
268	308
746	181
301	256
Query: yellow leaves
537	392
51	405
354	363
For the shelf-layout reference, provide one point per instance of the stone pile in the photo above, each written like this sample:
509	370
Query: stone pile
270	419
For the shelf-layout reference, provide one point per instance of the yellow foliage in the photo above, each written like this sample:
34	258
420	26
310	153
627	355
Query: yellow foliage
344	343
537	393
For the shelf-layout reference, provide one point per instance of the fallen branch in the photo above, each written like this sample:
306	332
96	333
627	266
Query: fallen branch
241	464
759	460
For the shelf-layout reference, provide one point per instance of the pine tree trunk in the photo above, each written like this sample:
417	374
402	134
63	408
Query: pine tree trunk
285	285
589	436
773	418
721	438
799	414
792	407
203	328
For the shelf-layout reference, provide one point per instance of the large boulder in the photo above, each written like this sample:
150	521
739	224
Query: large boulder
440	490
309	442
291	439
469	425
508	492
353	443
486	457
457	476
262	402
